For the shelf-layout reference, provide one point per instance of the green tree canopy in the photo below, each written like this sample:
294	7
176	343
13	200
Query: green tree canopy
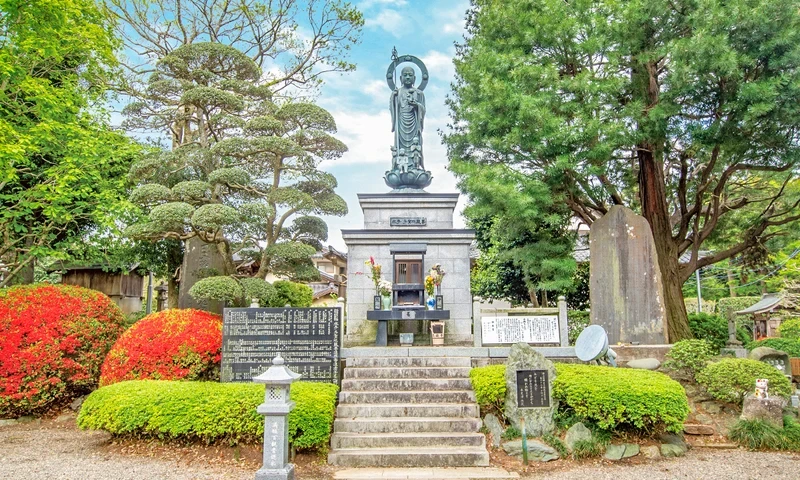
62	169
684	111
244	175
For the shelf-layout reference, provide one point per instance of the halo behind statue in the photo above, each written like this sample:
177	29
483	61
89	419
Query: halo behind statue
406	59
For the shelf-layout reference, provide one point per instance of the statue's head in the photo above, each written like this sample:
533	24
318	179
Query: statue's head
408	77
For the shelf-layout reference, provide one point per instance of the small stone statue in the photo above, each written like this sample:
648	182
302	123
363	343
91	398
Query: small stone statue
416	154
403	162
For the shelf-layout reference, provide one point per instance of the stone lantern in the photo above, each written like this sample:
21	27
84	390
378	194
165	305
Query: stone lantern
276	407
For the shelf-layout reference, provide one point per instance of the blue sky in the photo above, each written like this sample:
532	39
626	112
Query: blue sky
359	101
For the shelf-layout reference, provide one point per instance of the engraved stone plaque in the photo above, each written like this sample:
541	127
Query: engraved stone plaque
533	389
535	329
408	221
307	338
409	314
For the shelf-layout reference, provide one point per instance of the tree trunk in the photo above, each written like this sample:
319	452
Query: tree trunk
653	195
172	292
654	209
534	298
545	300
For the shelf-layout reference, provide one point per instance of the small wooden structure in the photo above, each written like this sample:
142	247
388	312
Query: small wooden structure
125	289
769	312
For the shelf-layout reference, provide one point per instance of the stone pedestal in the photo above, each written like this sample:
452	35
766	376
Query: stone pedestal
767	409
200	260
413	218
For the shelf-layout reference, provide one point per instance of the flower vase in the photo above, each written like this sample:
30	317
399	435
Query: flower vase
431	303
387	302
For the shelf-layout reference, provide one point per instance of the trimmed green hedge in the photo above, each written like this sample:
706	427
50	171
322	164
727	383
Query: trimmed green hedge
731	379
711	328
790	328
489	384
614	398
622	398
786	345
206	411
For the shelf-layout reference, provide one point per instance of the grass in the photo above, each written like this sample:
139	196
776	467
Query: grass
586	449
556	443
761	435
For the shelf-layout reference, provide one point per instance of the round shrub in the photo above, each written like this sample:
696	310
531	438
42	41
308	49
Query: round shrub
290	293
790	328
689	357
786	345
53	339
622	398
207	411
731	379
711	328
169	345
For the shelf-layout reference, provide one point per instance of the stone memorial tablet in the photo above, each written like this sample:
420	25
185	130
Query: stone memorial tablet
533	389
537	329
307	339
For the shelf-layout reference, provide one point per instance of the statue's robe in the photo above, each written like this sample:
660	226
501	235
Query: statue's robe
407	120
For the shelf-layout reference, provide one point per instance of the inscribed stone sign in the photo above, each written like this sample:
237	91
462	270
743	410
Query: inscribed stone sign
407	221
307	339
625	285
533	389
539	420
539	329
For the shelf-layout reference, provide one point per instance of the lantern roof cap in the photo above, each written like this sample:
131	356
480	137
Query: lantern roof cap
278	373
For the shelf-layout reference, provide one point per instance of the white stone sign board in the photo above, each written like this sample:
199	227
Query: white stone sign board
538	329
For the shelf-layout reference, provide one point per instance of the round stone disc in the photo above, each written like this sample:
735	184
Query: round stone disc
591	344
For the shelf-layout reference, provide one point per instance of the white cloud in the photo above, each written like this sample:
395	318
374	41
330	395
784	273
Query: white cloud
390	20
366	4
367	135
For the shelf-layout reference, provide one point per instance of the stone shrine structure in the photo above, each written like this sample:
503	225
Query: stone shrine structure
407	231
625	286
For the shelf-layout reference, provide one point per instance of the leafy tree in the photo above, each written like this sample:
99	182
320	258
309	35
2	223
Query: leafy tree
273	49
62	169
247	182
684	111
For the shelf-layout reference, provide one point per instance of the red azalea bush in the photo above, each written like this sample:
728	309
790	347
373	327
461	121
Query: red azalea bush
53	339
174	344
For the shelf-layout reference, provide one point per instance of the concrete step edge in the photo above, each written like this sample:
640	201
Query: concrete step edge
453	473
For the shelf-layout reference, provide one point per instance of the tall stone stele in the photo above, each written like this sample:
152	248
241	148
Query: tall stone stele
625	286
538	420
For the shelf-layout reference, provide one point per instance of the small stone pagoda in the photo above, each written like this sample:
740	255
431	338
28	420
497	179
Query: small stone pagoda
407	231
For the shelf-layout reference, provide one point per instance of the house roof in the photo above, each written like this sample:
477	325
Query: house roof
768	302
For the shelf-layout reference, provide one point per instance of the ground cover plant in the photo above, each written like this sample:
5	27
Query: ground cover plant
206	411
730	379
53	339
610	398
761	435
169	345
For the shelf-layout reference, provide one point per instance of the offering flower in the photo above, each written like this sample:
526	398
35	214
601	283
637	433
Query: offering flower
437	274
375	271
385	287
429	285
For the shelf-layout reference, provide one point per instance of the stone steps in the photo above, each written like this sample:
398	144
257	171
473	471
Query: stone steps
445	396
406	424
416	439
462	473
406	372
373	362
409	457
408	410
405	384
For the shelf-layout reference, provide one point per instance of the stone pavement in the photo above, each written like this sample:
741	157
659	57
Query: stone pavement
464	473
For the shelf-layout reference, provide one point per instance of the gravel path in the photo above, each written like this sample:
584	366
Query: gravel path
55	451
697	464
